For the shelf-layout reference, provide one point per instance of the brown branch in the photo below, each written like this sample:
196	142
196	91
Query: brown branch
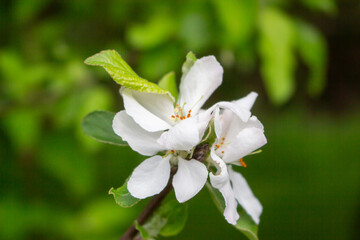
150	208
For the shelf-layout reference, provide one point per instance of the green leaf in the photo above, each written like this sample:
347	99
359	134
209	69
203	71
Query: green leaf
189	62
245	224
277	45
237	19
167	221
157	30
98	125
144	234
121	72
168	82
176	214
122	196
312	48
327	6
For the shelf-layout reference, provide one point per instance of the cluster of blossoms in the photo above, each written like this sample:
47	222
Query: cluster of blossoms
152	124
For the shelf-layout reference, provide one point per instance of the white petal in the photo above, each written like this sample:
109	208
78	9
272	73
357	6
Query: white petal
221	181
139	139
218	123
244	195
246	141
203	118
222	122
254	122
200	82
150	177
189	179
151	111
183	136
248	101
243	113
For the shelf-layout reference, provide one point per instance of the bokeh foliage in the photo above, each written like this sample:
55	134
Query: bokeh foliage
54	180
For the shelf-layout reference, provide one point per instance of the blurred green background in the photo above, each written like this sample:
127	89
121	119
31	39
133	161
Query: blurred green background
301	56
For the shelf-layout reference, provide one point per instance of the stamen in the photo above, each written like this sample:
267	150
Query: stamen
217	145
242	162
223	139
177	115
189	115
172	116
172	151
222	152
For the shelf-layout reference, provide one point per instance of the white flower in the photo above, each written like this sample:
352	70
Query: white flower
236	138
151	123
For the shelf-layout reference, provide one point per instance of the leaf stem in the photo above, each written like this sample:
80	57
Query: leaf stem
150	208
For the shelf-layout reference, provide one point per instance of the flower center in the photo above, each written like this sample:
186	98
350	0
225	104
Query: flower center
180	114
220	144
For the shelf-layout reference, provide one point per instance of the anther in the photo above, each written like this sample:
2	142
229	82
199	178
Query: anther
172	151
189	115
222	152
177	115
242	162
217	145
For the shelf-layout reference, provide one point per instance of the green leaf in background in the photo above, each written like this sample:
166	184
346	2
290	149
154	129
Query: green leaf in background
312	48
154	32
24	136
98	125
122	73
143	233
168	82
245	224
195	30
238	20
189	62
122	196
277	44
327	6
168	220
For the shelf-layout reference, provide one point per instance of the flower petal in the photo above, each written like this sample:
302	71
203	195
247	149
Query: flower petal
200	82
203	118
139	139
150	177
189	179
221	181
248	101
151	111
183	136
243	113
244	195
246	141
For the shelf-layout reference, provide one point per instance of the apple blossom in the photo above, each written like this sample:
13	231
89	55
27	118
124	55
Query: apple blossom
235	139
151	123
